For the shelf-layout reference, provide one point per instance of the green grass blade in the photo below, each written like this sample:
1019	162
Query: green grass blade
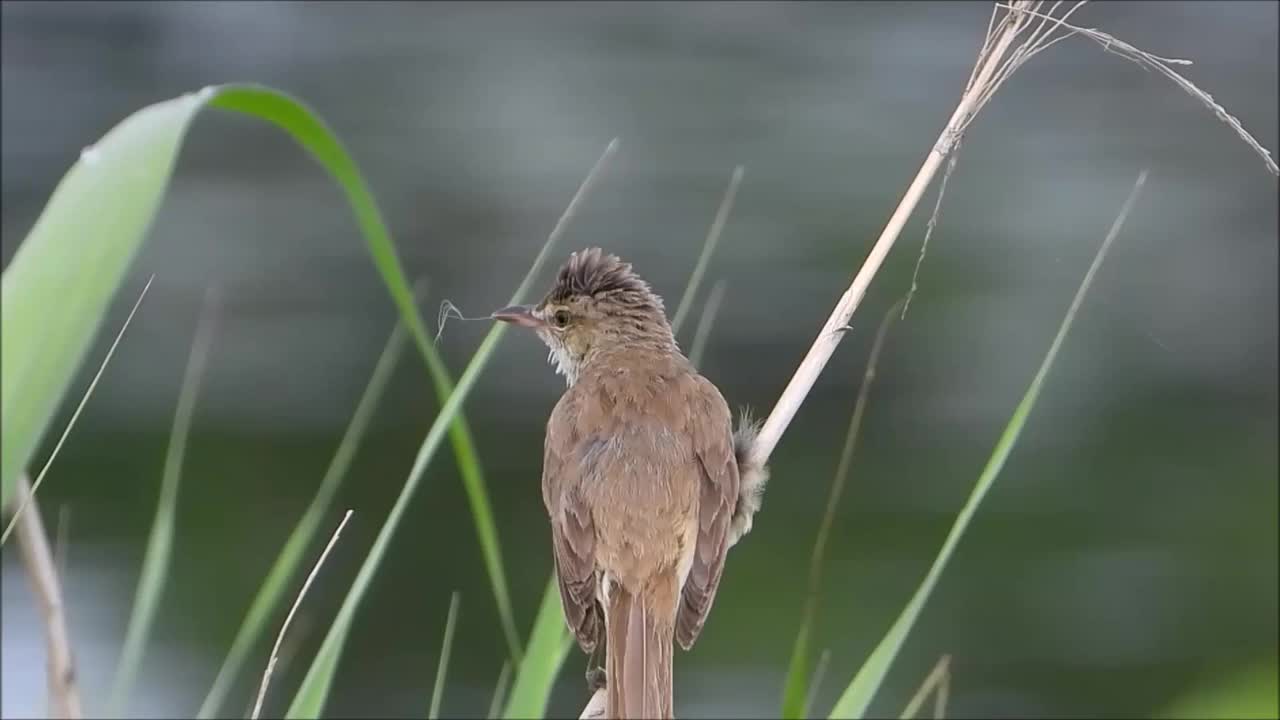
290	559
311	696
445	647
705	321
708	247
857	696
84	399
499	691
796	690
548	647
56	289
155	566
312	135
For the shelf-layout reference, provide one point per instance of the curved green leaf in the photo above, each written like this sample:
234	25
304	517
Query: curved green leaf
62	278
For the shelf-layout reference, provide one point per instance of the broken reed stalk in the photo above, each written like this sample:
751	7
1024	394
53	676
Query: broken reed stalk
38	559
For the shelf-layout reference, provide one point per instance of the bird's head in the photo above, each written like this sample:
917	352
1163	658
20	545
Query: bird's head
597	305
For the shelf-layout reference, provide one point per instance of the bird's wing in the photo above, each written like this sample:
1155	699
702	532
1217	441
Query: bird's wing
710	427
572	533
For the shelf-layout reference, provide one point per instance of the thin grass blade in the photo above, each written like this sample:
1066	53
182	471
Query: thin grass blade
323	145
290	558
499	691
861	690
548	647
708	247
311	696
705	321
84	399
442	667
938	684
155	566
796	690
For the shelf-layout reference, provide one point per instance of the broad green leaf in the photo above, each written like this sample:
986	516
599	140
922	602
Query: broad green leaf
314	691
290	558
548	647
155	565
62	278
861	690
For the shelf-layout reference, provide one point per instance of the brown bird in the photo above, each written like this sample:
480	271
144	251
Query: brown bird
645	481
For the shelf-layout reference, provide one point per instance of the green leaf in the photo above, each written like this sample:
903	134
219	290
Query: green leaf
155	565
548	647
857	696
442	667
57	288
290	559
311	696
55	291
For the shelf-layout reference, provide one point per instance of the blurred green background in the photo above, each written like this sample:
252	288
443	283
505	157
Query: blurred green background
1127	553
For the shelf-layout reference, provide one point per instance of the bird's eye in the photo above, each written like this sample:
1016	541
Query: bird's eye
561	318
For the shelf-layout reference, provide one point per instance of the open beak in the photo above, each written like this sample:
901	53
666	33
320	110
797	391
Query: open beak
518	315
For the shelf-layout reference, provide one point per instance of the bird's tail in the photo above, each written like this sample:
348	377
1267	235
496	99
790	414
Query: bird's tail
638	654
753	475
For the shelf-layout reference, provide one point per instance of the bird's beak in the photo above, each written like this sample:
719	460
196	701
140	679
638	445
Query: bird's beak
518	315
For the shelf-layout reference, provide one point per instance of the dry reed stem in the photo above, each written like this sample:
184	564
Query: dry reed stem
38	559
990	60
275	649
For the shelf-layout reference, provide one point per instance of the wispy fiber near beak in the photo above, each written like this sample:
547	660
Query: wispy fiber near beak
518	315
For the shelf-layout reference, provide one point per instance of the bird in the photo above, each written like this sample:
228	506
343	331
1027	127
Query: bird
645	480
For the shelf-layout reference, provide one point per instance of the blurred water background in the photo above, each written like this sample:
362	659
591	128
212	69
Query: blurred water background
1128	551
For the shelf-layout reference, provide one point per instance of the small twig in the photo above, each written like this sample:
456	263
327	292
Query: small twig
938	682
37	558
275	649
708	247
30	497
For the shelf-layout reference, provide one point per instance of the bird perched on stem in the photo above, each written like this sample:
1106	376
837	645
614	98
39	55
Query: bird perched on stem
644	479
